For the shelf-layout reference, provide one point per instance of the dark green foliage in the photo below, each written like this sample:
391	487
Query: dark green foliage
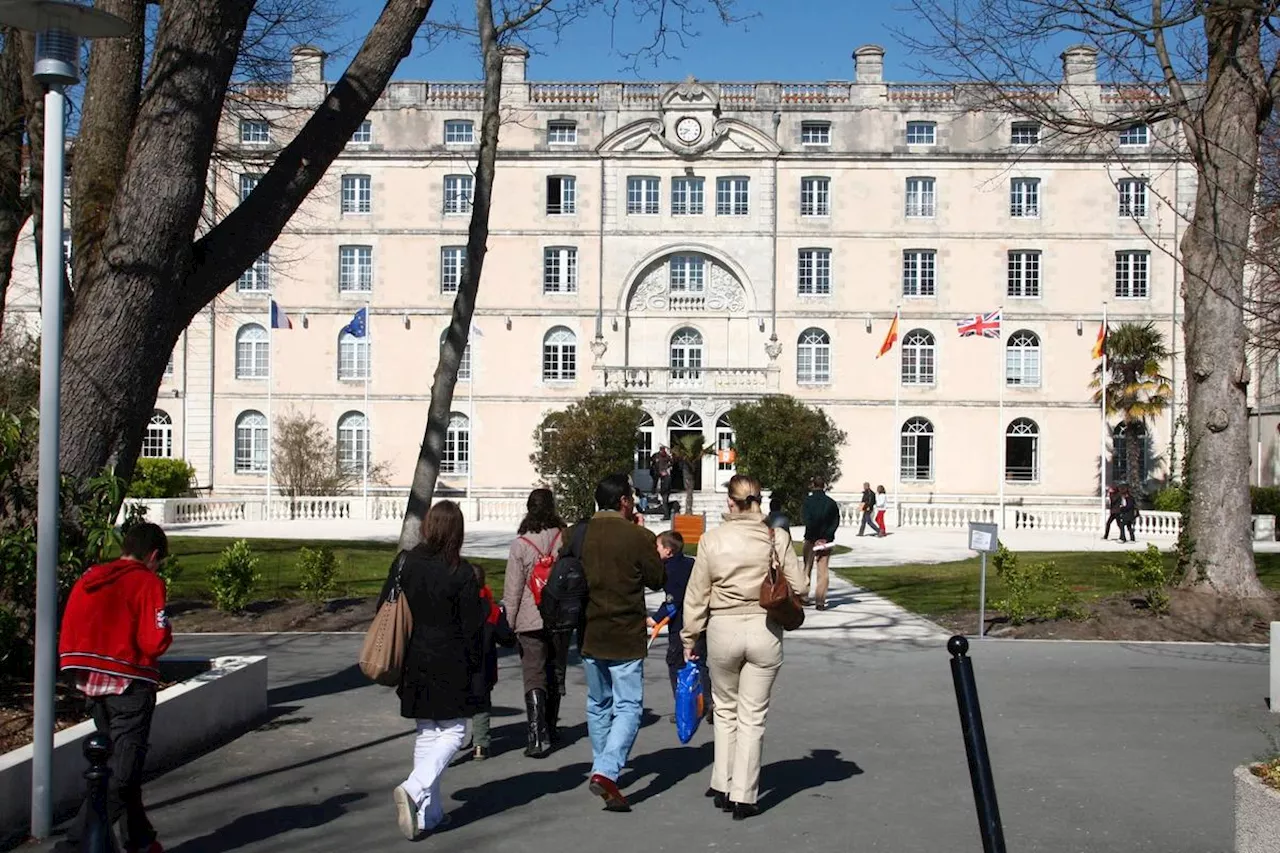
234	577
1036	591
161	478
1172	498
785	444
1148	573
1265	500
318	571
578	447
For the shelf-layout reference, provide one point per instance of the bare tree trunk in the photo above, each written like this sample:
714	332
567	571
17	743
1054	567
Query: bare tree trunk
13	207
1224	136
427	469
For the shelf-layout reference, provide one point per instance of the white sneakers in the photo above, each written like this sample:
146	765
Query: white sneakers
406	812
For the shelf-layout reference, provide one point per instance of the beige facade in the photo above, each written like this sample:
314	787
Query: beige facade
699	245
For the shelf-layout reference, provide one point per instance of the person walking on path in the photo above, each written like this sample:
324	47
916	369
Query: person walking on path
620	561
114	630
443	682
1113	512
1128	514
660	467
678	565
744	646
821	520
882	505
496	632
543	656
868	508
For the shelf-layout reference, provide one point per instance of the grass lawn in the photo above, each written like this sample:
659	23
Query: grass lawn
362	566
941	588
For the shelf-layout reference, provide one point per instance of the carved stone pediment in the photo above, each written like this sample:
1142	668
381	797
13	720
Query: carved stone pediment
691	95
725	136
722	292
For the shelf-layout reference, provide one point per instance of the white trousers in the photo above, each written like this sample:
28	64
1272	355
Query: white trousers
433	748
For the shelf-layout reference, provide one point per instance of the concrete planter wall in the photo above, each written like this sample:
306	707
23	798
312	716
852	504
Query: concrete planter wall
1257	814
223	699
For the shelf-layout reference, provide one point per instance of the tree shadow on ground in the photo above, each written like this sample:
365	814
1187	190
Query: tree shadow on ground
350	678
501	795
269	823
669	767
783	780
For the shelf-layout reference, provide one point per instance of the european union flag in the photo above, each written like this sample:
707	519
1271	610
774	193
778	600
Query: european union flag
359	325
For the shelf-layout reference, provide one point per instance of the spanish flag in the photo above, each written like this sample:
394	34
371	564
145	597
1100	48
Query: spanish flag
889	338
1100	344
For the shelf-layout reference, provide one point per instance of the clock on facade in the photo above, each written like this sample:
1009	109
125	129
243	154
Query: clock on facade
688	129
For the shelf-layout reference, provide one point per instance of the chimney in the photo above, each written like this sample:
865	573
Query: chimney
308	64
1080	65
514	62
868	64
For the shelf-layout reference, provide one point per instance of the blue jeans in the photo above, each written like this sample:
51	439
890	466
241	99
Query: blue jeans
615	701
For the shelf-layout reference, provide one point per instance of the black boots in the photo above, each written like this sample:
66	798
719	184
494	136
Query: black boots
536	706
553	717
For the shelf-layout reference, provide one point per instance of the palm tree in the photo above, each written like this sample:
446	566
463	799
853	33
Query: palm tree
687	451
1137	390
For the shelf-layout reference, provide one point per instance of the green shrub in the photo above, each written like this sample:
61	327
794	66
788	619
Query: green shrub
1145	572
161	478
233	577
1037	591
1265	500
1171	498
319	572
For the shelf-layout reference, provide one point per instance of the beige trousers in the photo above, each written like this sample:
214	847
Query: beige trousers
744	654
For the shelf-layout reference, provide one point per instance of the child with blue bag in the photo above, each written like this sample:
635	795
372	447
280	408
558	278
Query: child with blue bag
679	567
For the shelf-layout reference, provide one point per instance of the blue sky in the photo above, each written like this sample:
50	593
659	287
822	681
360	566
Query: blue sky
788	40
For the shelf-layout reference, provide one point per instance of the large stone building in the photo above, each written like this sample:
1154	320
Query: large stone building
697	244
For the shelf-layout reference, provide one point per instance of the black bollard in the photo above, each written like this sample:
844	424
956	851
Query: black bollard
98	836
975	746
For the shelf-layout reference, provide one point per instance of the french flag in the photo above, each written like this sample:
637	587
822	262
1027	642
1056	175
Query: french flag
279	319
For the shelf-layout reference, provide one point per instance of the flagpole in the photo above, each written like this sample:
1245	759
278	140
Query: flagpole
1001	373
368	416
271	366
896	456
471	420
1102	438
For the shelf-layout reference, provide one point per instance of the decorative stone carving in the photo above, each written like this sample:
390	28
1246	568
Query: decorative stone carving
773	348
599	346
659	406
689	93
723	293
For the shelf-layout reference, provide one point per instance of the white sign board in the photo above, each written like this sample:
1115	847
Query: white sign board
983	538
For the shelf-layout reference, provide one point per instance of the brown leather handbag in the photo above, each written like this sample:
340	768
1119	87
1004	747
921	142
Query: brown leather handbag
776	595
387	640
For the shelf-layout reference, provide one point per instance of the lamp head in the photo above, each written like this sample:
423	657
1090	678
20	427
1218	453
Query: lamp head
59	25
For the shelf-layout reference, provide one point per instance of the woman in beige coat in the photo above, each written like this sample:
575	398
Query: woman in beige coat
744	646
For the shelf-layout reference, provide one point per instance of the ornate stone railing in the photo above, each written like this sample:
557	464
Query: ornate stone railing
455	93
921	93
940	516
813	93
1150	525
659	379
564	93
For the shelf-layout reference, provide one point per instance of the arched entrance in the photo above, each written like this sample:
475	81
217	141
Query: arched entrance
726	455
681	424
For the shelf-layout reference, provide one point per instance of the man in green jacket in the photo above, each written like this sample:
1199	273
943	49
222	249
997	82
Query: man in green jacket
821	516
620	560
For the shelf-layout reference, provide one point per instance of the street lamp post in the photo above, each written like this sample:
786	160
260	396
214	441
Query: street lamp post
59	26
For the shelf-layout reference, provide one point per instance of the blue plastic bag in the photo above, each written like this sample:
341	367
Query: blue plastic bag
689	701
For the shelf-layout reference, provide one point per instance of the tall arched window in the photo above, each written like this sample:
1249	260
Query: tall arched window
1022	451
253	352
252	443
353	357
457	445
686	356
1120	438
813	357
726	455
559	355
353	441
464	366
158	442
916	463
644	441
919	358
1022	359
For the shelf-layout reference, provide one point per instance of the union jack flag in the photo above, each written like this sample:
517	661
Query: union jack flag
987	325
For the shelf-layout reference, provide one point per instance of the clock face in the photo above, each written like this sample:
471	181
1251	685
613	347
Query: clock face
688	129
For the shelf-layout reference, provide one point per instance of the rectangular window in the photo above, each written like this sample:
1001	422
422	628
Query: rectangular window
357	194
815	133
642	196
452	261
1133	198
1131	275
815	196
686	196
247	185
1134	136
355	269
363	134
459	132
562	132
562	195
255	131
457	193
1024	274
919	268
257	278
1024	198
813	272
687	274
922	199
168	368
732	196
922	132
560	269
1024	133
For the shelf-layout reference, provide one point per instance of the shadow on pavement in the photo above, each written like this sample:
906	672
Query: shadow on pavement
669	767
269	823
785	779
350	678
514	791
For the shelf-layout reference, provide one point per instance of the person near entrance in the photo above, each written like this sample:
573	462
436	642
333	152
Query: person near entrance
661	466
821	517
868	511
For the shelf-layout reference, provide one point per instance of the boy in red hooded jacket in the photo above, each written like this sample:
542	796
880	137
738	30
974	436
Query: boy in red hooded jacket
113	632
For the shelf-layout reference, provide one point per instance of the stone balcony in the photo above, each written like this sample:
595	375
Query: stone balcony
705	380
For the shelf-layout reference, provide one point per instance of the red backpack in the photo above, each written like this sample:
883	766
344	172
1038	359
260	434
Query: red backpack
541	568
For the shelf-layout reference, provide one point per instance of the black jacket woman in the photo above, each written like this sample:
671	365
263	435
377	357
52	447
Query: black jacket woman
443	682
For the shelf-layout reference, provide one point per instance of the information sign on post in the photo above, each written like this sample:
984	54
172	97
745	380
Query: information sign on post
985	539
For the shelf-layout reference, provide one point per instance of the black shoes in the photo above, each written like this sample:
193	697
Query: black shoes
742	811
719	799
539	738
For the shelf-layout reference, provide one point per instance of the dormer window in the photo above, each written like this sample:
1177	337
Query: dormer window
922	132
1134	136
255	131
1024	133
562	133
459	132
815	133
